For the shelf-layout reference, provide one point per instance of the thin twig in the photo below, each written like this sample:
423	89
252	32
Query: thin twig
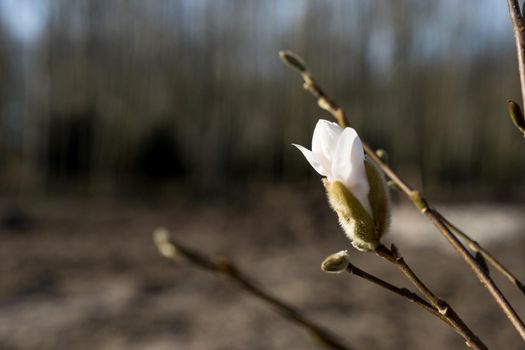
518	27
484	278
477	248
419	201
177	252
438	304
403	292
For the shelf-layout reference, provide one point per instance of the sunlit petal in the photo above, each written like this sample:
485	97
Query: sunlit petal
318	163
326	135
348	165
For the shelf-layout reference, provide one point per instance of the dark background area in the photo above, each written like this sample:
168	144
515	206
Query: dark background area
103	97
119	116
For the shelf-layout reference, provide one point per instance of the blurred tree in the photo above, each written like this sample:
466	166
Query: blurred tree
425	80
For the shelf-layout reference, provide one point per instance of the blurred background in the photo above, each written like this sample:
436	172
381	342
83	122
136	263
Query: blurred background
119	116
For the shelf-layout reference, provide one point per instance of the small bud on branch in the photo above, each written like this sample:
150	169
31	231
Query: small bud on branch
336	263
516	115
293	61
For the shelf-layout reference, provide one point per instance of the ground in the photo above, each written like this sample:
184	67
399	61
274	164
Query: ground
84	274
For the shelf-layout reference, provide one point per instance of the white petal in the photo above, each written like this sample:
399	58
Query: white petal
318	163
348	165
348	158
326	135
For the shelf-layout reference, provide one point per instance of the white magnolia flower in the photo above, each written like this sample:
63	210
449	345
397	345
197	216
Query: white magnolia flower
338	154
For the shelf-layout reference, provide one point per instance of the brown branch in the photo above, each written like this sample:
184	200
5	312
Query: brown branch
420	202
484	278
477	248
441	306
312	87
518	27
403	292
175	251
339	262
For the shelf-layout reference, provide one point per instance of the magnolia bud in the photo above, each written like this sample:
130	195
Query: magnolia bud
356	188
336	263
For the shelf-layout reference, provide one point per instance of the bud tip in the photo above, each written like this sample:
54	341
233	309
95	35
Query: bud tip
161	237
292	60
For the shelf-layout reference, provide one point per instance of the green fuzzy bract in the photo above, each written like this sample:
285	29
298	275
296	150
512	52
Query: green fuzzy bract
354	219
379	197
363	230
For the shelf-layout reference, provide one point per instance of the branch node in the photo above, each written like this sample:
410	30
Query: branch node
419	201
442	307
395	251
383	156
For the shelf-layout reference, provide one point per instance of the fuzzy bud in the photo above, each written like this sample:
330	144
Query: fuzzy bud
336	263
